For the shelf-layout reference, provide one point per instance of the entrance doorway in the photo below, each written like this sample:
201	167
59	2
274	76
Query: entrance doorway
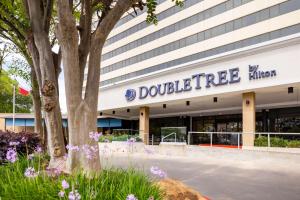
221	127
173	134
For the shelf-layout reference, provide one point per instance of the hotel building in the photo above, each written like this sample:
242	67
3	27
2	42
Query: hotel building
221	66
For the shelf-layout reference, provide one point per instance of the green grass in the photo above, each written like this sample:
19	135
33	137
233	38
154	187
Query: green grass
113	184
262	141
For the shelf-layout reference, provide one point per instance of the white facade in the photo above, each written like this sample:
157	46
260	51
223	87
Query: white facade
230	34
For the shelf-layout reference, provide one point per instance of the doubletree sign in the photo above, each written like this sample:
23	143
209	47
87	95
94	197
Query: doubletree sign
220	78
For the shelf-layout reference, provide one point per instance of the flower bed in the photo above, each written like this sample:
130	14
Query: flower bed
21	143
26	176
18	181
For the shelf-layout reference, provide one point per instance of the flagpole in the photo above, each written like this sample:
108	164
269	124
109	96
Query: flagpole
14	105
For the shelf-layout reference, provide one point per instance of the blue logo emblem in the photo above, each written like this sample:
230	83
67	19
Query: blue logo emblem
130	94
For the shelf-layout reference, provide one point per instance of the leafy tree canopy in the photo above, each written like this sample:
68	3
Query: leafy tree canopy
23	103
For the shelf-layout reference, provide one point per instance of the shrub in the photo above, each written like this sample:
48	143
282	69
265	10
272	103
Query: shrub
275	142
278	142
32	141
111	138
262	141
294	144
113	184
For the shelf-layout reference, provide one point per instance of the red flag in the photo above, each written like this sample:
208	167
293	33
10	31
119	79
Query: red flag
23	92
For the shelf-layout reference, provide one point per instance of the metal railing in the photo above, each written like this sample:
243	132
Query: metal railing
154	139
239	135
174	133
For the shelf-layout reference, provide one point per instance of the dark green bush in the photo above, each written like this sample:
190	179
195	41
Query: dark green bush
262	141
278	142
32	141
294	144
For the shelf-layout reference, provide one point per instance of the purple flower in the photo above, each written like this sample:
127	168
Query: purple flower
38	149
30	156
131	197
24	139
30	172
53	171
11	155
61	193
106	140
130	141
65	184
57	171
14	143
90	151
72	148
158	172
94	148
95	136
74	195
66	156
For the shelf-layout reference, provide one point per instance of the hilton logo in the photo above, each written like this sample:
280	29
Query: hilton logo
130	94
255	73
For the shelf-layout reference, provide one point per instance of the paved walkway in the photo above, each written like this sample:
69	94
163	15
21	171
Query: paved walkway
225	178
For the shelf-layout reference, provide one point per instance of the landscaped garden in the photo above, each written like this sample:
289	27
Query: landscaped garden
24	174
23	180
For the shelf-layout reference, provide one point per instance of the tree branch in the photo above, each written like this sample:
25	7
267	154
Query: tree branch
85	35
14	20
12	26
67	35
47	15
98	39
35	57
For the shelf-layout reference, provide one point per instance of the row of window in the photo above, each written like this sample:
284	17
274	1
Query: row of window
222	49
233	25
144	24
131	15
218	9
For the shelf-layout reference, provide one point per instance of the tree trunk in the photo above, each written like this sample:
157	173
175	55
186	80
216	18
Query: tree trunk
37	105
82	112
81	115
81	124
48	83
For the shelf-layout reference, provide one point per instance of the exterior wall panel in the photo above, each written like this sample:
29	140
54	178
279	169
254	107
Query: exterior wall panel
283	60
247	32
